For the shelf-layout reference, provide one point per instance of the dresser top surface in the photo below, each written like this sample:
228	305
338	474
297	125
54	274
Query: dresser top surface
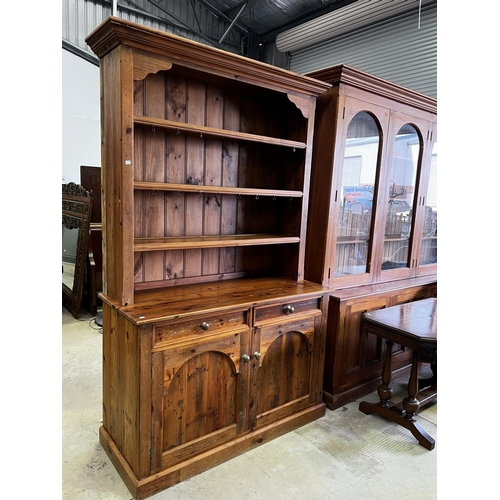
204	298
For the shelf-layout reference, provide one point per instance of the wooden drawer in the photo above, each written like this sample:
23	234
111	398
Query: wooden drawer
278	312
166	333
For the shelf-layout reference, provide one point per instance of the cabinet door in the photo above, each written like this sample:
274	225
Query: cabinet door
427	222
283	369
359	156
402	207
358	357
199	394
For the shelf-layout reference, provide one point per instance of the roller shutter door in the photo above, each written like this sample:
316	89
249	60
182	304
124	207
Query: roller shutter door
396	49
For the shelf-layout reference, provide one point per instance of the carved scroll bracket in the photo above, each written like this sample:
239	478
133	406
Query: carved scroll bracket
146	63
302	103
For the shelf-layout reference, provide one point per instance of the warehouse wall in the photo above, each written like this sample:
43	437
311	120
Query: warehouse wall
81	17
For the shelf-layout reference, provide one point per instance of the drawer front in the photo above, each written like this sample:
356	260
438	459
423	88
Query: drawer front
285	310
166	333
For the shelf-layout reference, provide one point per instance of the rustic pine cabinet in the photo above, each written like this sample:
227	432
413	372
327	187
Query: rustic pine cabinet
213	341
372	228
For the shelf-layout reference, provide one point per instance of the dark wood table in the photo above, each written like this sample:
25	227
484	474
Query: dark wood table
412	325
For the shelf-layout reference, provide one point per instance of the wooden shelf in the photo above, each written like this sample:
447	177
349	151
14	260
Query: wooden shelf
194	188
212	133
345	240
392	238
217	241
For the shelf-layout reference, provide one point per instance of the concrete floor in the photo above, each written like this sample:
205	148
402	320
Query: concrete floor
343	456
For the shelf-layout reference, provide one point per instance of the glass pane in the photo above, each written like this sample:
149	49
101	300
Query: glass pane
358	181
401	192
428	254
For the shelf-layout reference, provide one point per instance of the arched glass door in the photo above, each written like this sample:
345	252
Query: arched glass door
405	162
359	173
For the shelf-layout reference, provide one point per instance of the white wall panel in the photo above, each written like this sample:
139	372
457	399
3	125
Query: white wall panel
81	133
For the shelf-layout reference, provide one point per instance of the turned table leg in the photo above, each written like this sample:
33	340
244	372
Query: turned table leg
385	390
411	404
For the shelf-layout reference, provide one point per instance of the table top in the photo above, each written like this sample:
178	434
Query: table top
416	319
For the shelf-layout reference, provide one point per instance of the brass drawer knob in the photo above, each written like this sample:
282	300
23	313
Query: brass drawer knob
288	309
245	358
256	355
205	326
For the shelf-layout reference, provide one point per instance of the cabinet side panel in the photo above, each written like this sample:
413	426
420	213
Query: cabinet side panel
121	384
110	389
129	384
318	363
320	202
116	157
144	338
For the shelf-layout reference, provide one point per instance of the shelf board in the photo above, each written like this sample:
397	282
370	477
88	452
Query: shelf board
194	188
346	240
217	241
213	133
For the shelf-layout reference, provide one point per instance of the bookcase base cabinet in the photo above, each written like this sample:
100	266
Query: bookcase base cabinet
354	363
188	387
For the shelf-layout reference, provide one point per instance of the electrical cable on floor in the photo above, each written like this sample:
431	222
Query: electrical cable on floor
96	321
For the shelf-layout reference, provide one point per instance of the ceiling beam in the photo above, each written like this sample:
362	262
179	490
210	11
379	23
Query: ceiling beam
210	40
233	22
221	14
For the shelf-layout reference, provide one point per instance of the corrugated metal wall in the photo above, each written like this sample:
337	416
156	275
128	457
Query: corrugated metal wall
81	17
396	50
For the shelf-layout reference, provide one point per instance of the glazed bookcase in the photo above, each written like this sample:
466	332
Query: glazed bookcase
213	341
372	227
